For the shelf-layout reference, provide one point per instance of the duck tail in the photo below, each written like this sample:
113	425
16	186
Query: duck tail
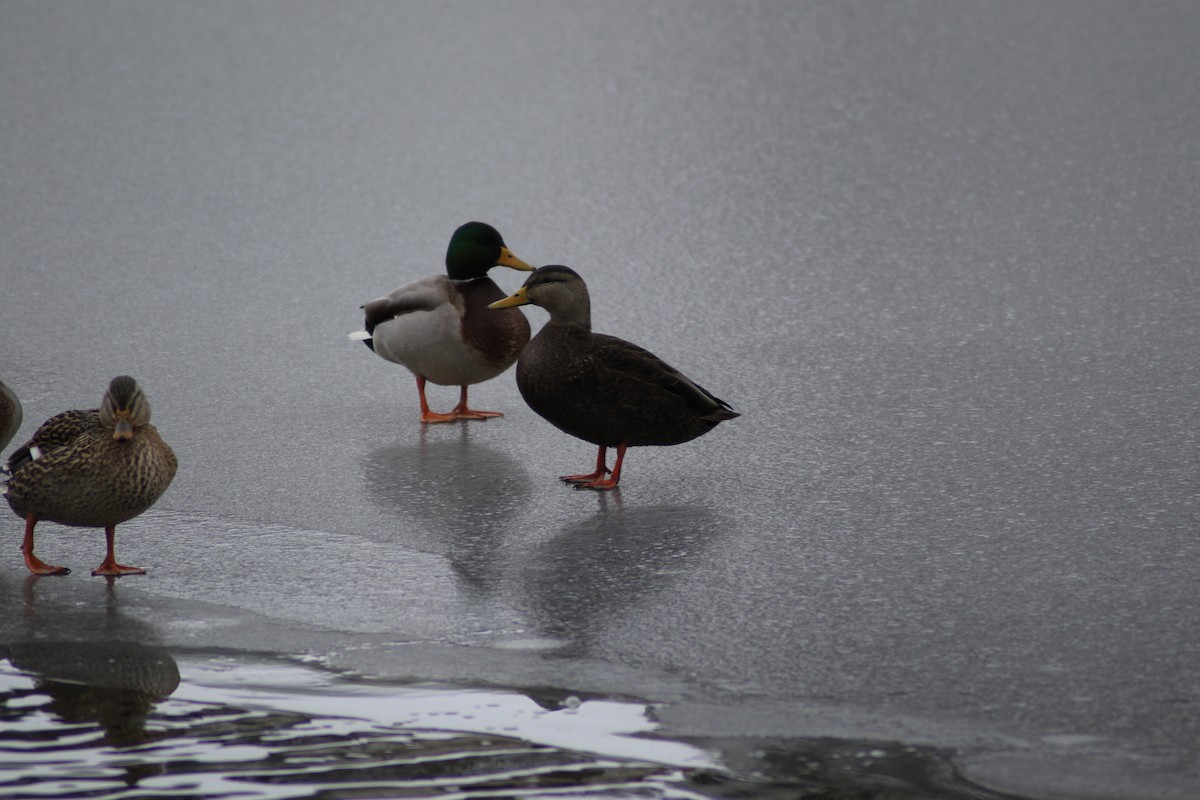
30	452
722	412
364	337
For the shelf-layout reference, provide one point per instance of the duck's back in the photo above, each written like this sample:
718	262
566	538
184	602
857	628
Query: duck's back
608	391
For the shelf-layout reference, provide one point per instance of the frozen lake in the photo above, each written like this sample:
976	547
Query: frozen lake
942	257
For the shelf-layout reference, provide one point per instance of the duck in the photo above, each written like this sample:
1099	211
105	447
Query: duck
440	328
10	415
600	388
92	468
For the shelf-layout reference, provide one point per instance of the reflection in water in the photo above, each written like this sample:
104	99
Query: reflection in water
312	734
277	748
848	768
114	684
97	716
52	610
460	491
594	571
94	665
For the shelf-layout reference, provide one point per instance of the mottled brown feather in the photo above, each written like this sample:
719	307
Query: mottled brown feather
85	477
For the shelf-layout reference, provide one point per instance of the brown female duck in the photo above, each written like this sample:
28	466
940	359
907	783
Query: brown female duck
599	388
439	327
91	469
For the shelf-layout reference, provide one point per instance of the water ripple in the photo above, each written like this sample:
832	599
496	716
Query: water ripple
65	738
116	720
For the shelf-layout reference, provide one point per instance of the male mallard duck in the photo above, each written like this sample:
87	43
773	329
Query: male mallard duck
10	415
439	327
91	469
599	388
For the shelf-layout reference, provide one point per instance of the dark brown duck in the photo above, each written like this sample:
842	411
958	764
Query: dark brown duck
599	388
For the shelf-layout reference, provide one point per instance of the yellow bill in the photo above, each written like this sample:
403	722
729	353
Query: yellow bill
517	298
507	259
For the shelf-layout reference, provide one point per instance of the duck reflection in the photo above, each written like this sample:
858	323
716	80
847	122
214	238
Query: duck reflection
462	491
595	571
94	665
114	684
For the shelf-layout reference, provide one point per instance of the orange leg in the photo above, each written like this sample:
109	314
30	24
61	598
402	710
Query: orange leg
461	411
596	480
428	416
110	565
32	562
608	483
601	470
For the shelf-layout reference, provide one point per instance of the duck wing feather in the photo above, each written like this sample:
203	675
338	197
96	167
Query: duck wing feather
627	366
58	431
426	294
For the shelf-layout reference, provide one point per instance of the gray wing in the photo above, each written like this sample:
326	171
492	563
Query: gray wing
425	294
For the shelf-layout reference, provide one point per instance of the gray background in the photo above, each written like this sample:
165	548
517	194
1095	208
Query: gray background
941	256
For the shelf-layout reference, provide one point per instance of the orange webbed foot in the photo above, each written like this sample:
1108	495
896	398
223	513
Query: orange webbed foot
112	569
591	477
32	562
464	411
600	486
39	567
596	480
470	413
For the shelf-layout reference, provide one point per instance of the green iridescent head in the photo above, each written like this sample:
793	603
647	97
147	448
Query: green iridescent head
477	247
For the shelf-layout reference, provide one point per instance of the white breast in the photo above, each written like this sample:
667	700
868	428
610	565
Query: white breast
430	343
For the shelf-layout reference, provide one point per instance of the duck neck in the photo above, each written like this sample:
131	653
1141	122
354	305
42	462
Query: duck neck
575	315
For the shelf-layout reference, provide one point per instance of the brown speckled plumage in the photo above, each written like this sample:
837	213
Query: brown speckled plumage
599	388
93	469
